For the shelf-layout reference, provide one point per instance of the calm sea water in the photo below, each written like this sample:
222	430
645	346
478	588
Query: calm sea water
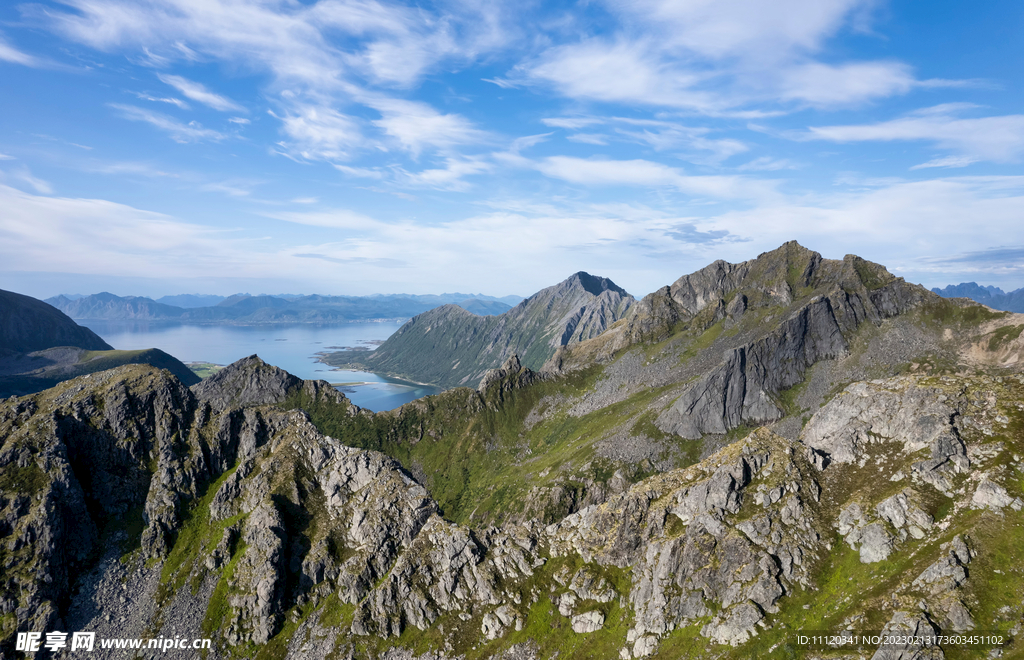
290	347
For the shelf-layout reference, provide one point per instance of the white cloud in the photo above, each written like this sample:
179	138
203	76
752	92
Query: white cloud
179	132
320	133
718	57
23	174
573	123
99	237
947	161
363	172
617	71
739	28
239	120
229	188
768	164
598	172
999	139
129	167
449	177
6	157
9	53
334	219
846	84
417	125
589	138
173	101
198	92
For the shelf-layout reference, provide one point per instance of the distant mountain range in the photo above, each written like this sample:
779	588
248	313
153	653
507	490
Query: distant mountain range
448	346
992	296
244	308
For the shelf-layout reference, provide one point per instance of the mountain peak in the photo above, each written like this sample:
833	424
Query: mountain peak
593	284
246	382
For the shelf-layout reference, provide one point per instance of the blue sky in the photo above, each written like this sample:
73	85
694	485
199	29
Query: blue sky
351	147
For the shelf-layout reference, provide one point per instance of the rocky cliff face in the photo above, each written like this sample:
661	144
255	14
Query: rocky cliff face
449	346
787	310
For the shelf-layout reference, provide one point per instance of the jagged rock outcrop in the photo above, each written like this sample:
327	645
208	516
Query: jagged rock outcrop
449	346
85	454
744	388
509	376
944	581
688	558
912	632
741	390
918	418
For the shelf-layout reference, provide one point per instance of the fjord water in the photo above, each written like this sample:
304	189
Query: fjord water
290	347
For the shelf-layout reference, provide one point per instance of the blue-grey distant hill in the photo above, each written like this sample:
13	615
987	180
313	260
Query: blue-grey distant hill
186	300
243	308
992	296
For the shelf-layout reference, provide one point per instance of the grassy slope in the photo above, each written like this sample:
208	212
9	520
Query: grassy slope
90	362
94	361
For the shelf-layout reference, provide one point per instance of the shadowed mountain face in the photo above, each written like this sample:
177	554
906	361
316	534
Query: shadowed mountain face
449	346
27	325
40	347
992	296
787	444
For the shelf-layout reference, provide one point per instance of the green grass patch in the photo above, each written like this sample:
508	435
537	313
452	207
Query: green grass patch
946	312
788	398
1003	336
702	342
27	480
872	276
478	458
196	534
204	369
218	607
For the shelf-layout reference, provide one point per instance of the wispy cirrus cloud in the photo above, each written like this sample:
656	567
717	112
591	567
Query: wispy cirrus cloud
9	53
314	72
24	175
157	99
996	138
638	172
98	236
320	132
417	126
200	94
179	132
